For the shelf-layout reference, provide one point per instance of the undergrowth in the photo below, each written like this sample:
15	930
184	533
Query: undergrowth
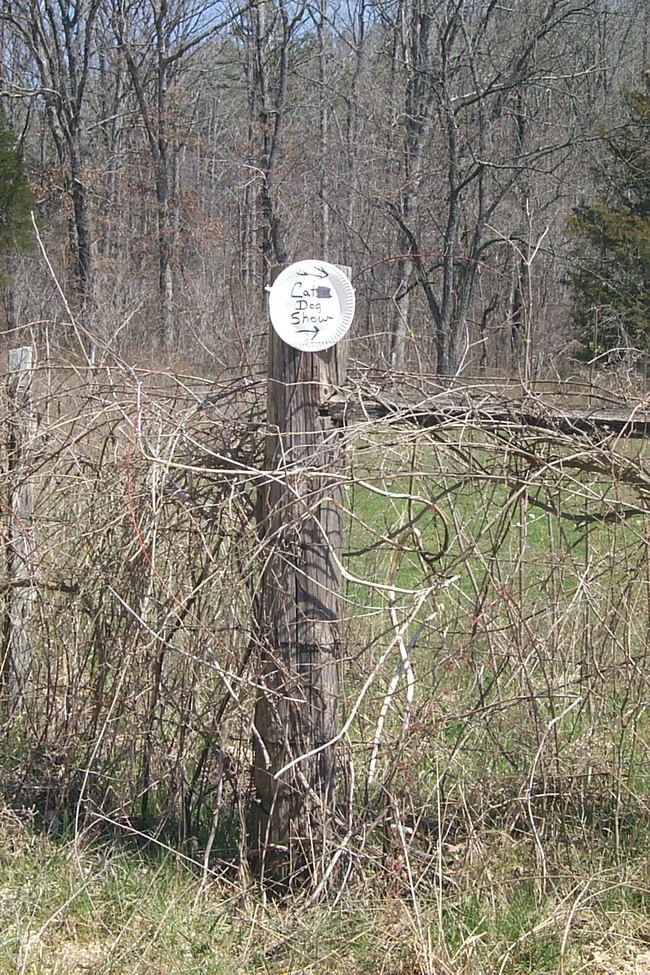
493	801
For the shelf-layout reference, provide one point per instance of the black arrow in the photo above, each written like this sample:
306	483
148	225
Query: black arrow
313	274
304	331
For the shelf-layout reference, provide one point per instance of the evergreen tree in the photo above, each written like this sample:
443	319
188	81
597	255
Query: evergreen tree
611	275
16	199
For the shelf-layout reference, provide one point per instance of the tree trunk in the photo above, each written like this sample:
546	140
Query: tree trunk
399	325
17	659
83	252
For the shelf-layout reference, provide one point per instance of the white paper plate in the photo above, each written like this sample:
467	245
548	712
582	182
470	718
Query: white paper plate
311	305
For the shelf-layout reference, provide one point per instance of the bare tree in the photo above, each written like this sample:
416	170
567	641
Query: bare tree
60	38
469	79
267	30
155	38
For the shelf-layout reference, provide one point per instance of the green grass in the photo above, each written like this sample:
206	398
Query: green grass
70	906
108	909
528	703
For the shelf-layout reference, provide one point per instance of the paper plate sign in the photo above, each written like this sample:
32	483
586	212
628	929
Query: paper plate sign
311	305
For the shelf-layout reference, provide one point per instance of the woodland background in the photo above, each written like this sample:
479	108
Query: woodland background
178	150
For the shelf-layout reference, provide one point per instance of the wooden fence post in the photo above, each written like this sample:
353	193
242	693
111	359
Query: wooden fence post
299	629
17	657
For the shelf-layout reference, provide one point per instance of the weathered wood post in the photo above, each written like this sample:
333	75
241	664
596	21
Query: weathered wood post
300	522
17	656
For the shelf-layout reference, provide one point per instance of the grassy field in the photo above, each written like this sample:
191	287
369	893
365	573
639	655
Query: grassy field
494	784
111	908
